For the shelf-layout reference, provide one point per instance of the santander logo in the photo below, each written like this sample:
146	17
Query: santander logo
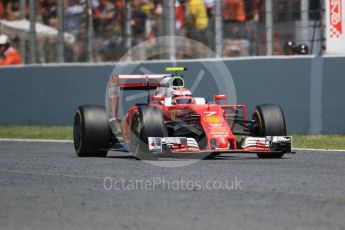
336	20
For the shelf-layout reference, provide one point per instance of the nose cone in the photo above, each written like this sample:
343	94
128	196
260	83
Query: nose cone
222	143
219	143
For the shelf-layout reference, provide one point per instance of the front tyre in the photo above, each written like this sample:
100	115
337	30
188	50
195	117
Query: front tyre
270	121
146	122
91	131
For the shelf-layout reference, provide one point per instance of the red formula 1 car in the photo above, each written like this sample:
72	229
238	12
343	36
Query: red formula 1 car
174	123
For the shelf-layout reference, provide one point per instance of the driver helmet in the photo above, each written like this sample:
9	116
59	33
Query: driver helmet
182	96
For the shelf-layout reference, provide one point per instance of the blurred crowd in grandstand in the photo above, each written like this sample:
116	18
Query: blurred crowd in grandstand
243	23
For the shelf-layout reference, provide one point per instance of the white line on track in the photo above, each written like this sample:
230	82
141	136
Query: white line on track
34	140
320	150
70	141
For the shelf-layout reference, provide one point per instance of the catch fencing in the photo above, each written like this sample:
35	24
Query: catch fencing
106	30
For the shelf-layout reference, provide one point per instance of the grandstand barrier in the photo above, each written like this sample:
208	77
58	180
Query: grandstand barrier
309	89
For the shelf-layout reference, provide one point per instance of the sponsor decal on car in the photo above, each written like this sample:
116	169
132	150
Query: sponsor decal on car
219	131
165	144
209	113
213	119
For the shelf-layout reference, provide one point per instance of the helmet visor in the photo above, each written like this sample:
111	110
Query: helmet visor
183	101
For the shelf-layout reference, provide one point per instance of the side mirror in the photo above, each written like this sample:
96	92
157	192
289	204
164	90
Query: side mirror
220	97
157	98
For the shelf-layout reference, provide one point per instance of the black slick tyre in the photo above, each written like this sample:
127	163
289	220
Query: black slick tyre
270	121
91	131
147	122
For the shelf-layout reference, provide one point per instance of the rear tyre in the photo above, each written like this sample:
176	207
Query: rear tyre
146	122
91	131
270	121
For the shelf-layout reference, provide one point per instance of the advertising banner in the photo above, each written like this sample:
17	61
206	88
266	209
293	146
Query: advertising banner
335	26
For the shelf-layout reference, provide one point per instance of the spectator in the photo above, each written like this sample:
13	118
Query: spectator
233	48
8	54
197	24
105	16
74	23
257	10
13	10
95	5
155	17
2	9
106	30
234	16
277	43
150	27
197	15
234	11
302	49
180	26
73	16
254	12
48	10
179	16
210	4
138	22
289	48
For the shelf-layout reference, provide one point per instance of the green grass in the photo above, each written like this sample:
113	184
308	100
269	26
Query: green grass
65	133
319	141
36	132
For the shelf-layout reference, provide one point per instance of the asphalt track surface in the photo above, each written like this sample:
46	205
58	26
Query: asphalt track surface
45	186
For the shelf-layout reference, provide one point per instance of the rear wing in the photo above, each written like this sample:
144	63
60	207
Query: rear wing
118	83
137	82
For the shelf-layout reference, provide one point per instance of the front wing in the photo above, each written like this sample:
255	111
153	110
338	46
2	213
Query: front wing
251	145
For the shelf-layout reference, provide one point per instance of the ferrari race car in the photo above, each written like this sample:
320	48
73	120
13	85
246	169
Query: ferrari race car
174	123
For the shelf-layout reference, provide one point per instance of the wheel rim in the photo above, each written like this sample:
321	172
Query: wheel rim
258	131
77	132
